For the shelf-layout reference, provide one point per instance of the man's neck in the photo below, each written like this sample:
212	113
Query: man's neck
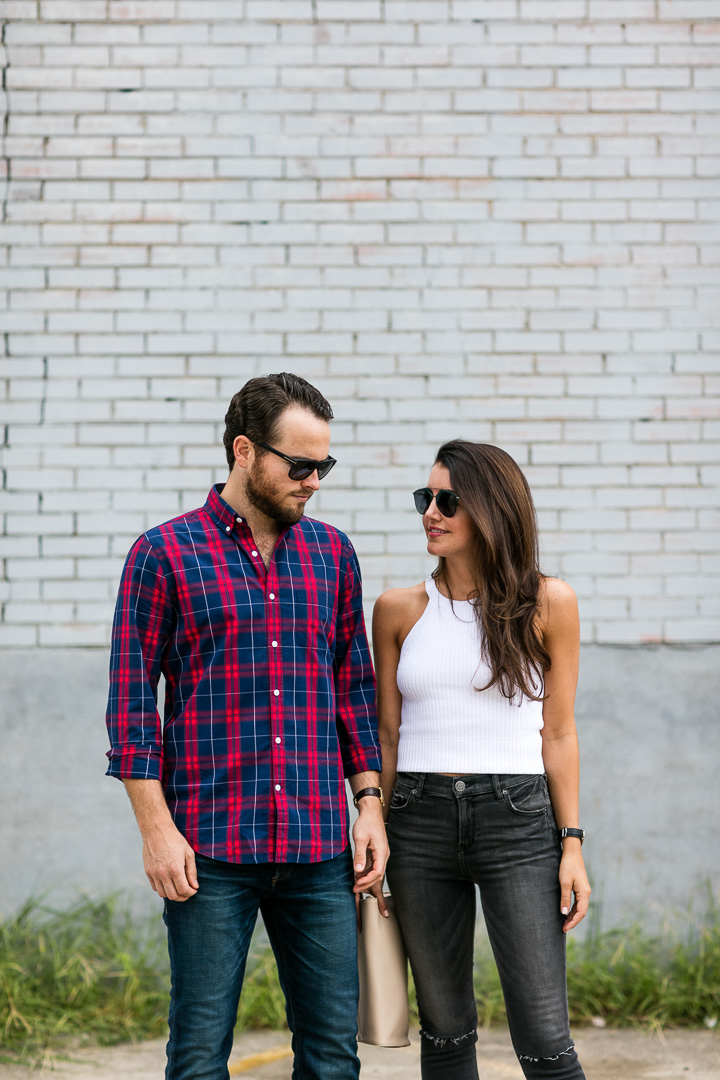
260	524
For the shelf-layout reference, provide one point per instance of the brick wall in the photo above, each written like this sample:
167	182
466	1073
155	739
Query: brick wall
493	218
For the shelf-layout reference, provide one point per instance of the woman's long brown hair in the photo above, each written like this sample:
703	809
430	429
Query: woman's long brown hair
495	493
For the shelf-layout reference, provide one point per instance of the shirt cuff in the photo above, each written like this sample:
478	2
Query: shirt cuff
359	760
135	763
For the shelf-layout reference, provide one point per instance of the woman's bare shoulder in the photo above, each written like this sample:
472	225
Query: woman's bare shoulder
400	601
397	610
555	590
557	602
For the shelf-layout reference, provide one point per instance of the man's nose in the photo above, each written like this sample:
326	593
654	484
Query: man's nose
312	481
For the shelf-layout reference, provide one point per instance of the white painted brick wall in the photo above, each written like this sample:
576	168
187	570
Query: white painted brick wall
489	218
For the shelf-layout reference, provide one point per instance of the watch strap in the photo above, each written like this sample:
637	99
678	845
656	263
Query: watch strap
376	791
579	833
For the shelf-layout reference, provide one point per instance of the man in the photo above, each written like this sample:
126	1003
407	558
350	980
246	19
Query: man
253	614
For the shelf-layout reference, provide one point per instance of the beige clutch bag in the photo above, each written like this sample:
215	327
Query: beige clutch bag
383	1011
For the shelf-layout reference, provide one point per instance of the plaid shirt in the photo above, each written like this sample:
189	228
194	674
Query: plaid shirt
270	692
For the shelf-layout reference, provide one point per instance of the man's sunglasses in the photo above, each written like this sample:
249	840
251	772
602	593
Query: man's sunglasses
446	501
302	467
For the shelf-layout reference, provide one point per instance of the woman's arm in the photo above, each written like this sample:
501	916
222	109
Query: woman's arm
561	636
387	619
386	651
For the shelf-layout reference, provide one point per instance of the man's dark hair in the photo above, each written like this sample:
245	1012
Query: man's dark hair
255	411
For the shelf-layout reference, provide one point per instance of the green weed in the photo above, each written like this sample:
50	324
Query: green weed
86	973
93	973
262	1004
631	979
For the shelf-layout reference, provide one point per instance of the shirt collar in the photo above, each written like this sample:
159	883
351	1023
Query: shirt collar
220	511
224	515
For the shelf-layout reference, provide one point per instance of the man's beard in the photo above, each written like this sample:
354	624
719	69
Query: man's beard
265	499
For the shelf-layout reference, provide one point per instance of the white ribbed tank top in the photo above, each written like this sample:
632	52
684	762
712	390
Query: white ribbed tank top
446	725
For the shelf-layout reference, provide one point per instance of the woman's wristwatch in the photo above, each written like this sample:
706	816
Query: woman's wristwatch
579	833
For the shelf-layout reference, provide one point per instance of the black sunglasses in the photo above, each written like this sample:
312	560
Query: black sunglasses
446	501
302	467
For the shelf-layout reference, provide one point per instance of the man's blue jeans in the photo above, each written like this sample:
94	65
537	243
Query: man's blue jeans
448	834
309	912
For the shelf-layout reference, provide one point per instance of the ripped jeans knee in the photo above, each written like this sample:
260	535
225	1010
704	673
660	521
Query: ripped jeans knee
561	1066
443	1055
440	1042
553	1057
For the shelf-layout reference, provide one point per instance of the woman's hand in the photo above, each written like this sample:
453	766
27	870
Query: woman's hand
376	891
573	879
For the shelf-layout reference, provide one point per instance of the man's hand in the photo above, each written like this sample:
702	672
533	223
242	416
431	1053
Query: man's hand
169	863
371	854
371	846
168	858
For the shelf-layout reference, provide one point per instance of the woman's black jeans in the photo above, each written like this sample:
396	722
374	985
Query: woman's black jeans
446	835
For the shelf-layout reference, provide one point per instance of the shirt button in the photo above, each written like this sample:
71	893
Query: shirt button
276	693
239	521
255	553
277	787
274	644
278	739
228	528
272	595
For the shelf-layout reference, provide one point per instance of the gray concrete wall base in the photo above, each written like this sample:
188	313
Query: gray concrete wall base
65	828
649	725
650	750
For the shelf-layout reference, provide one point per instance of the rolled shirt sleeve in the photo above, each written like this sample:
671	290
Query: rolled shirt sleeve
356	716
141	630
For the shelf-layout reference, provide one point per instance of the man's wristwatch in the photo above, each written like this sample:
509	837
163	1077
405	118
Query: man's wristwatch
579	833
376	791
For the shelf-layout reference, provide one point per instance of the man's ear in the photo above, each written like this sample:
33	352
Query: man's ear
243	451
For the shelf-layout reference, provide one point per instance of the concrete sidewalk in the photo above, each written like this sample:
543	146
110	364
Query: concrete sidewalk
606	1055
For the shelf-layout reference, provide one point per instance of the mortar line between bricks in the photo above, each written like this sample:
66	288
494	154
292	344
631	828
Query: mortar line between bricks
6	183
4	156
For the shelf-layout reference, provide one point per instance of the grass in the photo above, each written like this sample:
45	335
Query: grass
88	973
262	1004
629	979
93	974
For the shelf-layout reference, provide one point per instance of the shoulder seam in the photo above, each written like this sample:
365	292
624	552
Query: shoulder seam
158	556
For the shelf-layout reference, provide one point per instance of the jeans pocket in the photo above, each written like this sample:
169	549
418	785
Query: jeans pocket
403	796
528	797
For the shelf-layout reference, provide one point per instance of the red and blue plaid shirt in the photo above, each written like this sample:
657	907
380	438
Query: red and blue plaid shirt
270	692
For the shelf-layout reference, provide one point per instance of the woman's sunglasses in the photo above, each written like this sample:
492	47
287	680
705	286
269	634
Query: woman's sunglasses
446	501
302	467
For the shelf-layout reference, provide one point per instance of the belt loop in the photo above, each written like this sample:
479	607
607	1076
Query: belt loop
496	786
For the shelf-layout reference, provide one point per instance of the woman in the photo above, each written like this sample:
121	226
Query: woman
479	662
